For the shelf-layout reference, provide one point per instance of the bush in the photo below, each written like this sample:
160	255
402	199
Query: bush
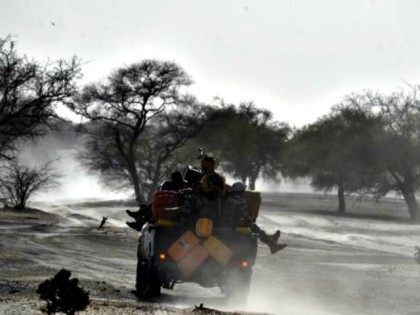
62	294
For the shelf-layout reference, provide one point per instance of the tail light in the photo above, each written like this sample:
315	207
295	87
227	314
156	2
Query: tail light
244	264
162	256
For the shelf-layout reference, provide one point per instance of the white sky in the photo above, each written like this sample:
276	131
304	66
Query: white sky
296	58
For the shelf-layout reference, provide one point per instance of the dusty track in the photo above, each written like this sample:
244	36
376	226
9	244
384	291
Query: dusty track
333	265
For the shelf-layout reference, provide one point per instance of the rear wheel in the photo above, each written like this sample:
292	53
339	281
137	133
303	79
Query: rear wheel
147	279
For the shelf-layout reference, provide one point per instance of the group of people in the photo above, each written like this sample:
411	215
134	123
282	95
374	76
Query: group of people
212	189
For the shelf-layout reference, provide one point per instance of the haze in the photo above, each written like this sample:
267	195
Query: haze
296	58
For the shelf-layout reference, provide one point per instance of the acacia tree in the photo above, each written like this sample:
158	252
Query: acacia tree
28	93
337	152
157	149
124	104
397	144
19	182
247	140
172	131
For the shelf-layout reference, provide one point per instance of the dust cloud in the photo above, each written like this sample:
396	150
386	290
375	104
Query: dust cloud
76	183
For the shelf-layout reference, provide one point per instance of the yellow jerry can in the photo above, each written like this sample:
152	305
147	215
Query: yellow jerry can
204	227
242	230
182	246
219	251
166	223
193	260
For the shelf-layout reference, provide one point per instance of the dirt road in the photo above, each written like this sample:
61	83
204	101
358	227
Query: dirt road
330	267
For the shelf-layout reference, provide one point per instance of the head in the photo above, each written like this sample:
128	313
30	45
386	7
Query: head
177	177
238	187
208	164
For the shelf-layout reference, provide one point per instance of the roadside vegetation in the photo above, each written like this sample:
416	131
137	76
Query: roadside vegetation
139	124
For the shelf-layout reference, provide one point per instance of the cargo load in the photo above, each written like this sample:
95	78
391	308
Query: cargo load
199	237
180	248
204	227
164	205
193	260
217	250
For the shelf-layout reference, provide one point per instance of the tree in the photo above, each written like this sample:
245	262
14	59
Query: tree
335	152
397	143
247	140
28	93
157	150
127	101
163	154
19	182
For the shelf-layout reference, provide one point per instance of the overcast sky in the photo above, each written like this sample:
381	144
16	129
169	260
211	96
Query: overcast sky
296	58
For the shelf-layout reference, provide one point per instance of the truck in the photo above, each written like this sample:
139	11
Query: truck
181	244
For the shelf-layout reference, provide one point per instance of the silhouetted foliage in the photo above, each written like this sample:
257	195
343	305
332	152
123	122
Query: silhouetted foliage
397	143
162	150
28	93
246	139
337	151
156	150
122	107
63	294
19	182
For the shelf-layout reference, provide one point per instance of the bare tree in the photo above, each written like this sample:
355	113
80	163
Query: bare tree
157	149
19	182
397	143
127	101
173	131
28	93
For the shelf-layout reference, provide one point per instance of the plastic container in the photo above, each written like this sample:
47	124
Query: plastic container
219	251
166	223
193	260
180	248
172	213
204	227
162	200
242	230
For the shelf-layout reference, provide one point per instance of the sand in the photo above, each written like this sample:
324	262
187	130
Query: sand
333	265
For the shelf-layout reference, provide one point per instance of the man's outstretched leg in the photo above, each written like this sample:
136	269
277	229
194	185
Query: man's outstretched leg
270	240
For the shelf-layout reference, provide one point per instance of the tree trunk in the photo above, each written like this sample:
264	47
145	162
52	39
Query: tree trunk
412	205
135	181
341	199
156	177
20	202
129	159
253	178
19	207
252	181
